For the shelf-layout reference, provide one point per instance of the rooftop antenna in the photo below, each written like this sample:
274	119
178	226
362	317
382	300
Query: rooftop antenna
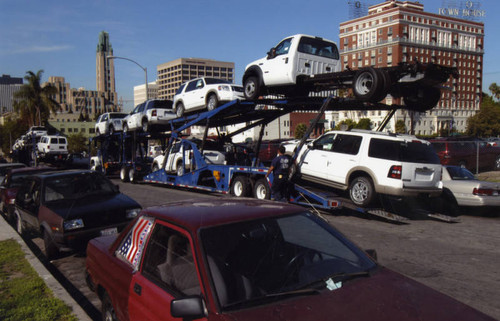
357	9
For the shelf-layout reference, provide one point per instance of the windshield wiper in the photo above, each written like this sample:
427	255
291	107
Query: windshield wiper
266	297
336	277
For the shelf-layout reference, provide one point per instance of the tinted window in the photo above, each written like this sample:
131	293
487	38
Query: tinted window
324	142
283	47
62	140
53	140
167	104
347	144
410	152
191	86
169	262
117	116
459	173
318	47
212	81
180	89
76	186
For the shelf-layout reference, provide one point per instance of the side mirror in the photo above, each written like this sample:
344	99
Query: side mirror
271	53
192	307
310	146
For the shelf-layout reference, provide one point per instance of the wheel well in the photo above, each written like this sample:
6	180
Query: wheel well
210	93
253	71
357	174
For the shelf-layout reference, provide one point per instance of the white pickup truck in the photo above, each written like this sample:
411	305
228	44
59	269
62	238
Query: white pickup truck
301	64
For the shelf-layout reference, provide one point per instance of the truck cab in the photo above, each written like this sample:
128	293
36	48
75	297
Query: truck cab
295	56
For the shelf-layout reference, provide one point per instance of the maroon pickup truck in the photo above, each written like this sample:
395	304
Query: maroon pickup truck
246	259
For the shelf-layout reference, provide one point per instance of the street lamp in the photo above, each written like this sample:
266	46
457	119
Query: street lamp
135	62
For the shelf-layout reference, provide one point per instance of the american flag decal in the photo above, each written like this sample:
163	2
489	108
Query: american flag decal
132	246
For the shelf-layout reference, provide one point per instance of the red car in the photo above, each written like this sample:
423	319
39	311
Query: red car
242	259
9	186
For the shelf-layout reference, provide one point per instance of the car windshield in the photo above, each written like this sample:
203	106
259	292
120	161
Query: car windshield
17	179
255	261
76	186
117	116
460	174
212	81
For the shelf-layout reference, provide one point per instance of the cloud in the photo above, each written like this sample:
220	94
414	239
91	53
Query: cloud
38	49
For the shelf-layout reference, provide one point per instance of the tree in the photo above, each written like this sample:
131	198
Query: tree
400	126
349	123
300	130
364	123
495	90
77	143
487	121
11	130
34	102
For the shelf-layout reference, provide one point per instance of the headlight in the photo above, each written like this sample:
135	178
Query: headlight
224	88
73	224
132	213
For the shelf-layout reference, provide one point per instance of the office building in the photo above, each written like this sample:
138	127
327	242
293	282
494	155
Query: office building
174	73
140	92
401	31
8	86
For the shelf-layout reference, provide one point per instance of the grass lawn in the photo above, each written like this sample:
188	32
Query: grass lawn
24	295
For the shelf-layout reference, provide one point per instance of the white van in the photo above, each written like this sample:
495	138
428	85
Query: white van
295	56
52	146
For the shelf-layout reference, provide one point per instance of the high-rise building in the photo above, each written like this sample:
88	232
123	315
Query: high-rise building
105	69
8	86
401	31
174	73
140	92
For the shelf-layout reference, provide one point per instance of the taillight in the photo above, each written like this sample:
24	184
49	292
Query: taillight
482	191
153	113
395	171
48	146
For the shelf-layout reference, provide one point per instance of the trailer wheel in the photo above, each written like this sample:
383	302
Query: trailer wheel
111	129
366	84
179	110
132	176
423	98
240	186
385	85
145	126
125	128
212	102
361	191
124	174
180	169
252	88
261	190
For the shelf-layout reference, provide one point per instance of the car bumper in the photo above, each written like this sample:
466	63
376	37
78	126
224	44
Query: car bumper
230	96
471	200
77	240
404	191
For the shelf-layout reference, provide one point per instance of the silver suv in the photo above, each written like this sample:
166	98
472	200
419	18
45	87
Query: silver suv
366	163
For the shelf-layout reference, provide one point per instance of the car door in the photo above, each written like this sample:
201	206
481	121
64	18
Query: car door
194	95
28	202
168	271
134	121
343	156
276	69
313	161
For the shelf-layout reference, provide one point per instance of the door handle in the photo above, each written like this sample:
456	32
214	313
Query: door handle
307	64
137	289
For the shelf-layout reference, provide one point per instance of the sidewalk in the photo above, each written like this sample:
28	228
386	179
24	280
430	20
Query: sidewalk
7	232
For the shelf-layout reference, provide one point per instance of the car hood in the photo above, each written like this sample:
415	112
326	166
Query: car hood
69	209
385	295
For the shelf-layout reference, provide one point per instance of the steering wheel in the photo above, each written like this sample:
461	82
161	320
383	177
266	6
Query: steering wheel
302	258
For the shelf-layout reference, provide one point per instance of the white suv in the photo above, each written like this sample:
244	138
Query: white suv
201	93
151	114
366	163
52	146
109	123
294	57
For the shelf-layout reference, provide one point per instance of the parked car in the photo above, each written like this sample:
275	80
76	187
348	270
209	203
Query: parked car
463	191
68	208
294	57
236	259
367	163
268	149
37	131
150	115
205	92
8	188
6	167
469	152
53	146
109	123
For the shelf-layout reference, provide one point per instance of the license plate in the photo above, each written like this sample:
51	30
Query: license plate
109	231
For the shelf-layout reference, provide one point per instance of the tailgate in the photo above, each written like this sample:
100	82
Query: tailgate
417	175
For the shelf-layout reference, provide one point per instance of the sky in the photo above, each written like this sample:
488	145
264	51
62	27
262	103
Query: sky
60	37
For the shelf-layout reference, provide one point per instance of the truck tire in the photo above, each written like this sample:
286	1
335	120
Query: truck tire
111	129
385	85
252	88
179	169
261	189
212	102
423	98
107	310
361	191
240	186
124	174
132	175
145	126
366	84
179	110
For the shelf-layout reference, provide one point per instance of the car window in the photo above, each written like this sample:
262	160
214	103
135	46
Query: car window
324	142
318	47
347	144
76	186
117	116
283	47
180	89
53	140
199	84
132	245
213	81
403	151
105	117
141	107
168	261
459	173
191	86
62	140
160	104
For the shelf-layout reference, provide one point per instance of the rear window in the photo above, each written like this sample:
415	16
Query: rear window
409	152
161	104
318	47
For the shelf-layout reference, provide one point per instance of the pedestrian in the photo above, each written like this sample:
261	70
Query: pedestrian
280	167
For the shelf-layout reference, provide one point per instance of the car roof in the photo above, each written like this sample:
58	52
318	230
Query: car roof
29	169
12	164
198	213
64	173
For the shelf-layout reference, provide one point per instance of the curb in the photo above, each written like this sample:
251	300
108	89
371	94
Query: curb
7	232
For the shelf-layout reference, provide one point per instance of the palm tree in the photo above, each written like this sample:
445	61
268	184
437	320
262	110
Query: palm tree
35	101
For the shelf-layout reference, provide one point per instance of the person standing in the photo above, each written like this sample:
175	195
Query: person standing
280	167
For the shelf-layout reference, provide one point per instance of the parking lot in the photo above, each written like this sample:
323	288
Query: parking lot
459	259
